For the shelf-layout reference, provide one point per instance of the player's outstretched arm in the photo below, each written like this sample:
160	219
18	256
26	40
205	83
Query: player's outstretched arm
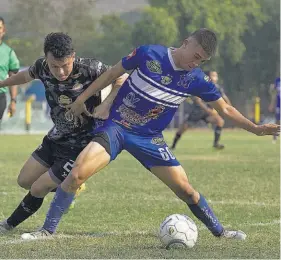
16	79
233	114
77	107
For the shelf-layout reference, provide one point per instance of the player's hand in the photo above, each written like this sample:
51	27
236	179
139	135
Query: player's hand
268	129
12	108
77	108
1	84
102	111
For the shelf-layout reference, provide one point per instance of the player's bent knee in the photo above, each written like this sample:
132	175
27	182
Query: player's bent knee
23	182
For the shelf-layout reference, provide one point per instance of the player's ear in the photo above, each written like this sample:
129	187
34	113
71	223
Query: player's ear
73	55
185	43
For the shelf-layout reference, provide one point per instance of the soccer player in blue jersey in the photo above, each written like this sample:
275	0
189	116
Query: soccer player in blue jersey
275	102
161	78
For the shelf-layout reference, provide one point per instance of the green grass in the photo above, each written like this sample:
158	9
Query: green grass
119	214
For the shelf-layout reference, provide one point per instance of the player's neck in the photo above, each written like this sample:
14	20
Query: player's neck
175	57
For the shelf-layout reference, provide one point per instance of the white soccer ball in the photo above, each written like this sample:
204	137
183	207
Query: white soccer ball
178	231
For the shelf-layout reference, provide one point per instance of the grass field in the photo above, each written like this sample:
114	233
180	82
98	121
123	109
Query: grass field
119	214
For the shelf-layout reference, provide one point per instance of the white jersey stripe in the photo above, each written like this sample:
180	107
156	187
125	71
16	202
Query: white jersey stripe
149	99
161	86
154	92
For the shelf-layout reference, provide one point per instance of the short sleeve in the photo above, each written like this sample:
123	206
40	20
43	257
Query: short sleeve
206	90
132	61
14	64
35	69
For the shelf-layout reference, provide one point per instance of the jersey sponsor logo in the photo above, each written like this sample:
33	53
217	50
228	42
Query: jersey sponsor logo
132	54
135	118
158	141
155	112
166	80
64	100
77	86
154	66
185	80
130	100
207	78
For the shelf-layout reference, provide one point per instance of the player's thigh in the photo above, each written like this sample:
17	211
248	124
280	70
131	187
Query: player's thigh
43	185
91	160
30	172
40	161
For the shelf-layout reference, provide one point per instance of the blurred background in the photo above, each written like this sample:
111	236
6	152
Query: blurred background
248	59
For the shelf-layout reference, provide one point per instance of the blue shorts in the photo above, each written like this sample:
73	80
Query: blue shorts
149	150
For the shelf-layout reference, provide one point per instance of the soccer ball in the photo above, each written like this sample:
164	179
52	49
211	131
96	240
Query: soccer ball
178	231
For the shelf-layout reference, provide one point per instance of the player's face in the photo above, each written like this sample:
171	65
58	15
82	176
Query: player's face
192	54
60	68
214	76
2	30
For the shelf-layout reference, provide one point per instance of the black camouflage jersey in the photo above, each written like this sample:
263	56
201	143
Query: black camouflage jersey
62	93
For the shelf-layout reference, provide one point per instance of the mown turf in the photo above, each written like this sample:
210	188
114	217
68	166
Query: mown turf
119	214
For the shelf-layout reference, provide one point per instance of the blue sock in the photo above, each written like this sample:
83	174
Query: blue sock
204	213
59	205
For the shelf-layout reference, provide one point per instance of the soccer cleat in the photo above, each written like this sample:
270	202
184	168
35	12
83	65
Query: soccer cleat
219	146
239	235
5	227
80	189
39	234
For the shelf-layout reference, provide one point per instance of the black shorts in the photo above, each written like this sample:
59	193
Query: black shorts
59	159
196	115
3	104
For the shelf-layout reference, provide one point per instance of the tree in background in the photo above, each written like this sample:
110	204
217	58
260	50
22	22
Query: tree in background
155	27
113	41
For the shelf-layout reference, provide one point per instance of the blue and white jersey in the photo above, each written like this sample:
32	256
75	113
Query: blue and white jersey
149	98
277	88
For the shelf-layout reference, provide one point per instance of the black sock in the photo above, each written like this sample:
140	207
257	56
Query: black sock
28	206
217	134
177	137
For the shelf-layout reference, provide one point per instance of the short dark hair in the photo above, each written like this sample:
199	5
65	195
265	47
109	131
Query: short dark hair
207	39
59	44
2	20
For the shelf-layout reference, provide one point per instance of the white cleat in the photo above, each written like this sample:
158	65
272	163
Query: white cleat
5	227
238	234
39	234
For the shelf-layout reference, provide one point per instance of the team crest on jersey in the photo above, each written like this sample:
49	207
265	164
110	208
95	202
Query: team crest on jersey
130	100
155	112
185	80
77	86
132	54
166	80
154	66
64	100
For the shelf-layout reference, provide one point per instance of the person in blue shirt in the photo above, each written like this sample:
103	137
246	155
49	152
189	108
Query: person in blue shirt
275	102
160	79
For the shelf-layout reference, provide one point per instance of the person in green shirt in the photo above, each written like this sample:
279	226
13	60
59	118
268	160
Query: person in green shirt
9	65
